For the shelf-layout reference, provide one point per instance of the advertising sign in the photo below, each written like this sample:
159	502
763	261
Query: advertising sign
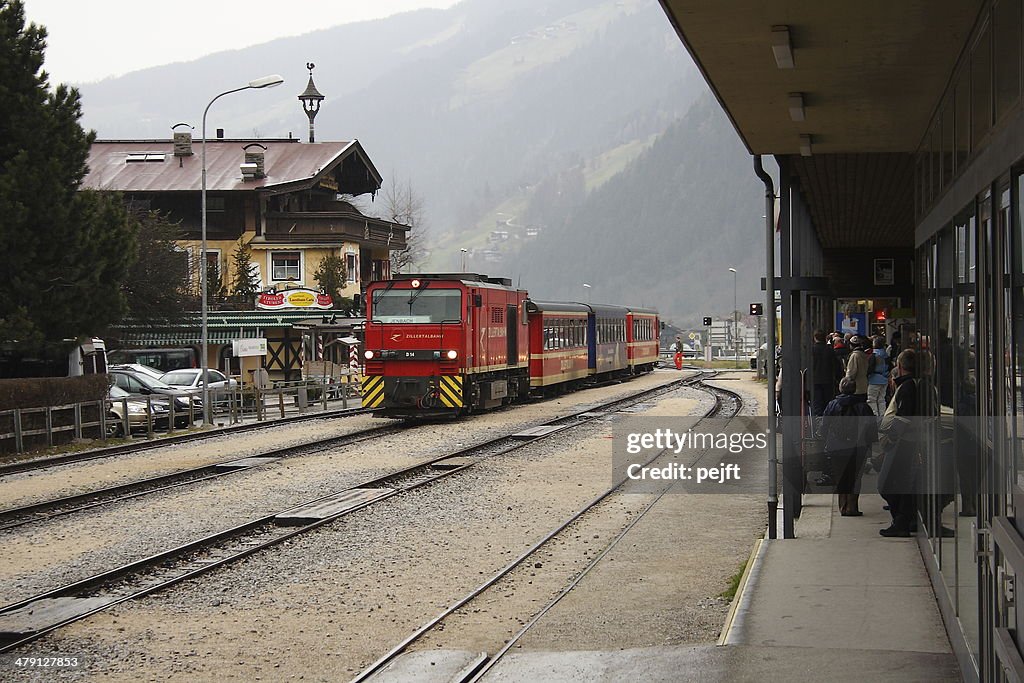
294	298
852	323
248	347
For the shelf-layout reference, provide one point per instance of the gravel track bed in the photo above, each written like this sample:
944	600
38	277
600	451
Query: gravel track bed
26	488
661	585
53	553
329	602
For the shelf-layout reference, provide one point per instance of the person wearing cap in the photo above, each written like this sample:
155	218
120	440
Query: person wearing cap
857	365
848	428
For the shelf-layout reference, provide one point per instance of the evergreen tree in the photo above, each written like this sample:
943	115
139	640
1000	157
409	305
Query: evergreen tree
244	285
158	283
64	252
330	275
214	281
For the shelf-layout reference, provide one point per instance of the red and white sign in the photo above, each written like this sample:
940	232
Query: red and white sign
294	298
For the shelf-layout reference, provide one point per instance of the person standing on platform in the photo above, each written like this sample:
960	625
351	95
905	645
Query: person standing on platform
677	346
899	433
849	428
825	373
878	376
857	365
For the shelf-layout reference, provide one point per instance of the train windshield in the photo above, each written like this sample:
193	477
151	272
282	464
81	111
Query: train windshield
426	305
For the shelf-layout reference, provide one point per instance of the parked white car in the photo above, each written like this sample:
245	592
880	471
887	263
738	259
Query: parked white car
139	368
190	379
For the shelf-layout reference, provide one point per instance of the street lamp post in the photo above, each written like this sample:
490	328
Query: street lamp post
588	288
265	82
735	322
464	252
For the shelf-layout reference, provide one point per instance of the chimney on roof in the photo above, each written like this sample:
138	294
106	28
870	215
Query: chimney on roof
220	133
253	168
182	140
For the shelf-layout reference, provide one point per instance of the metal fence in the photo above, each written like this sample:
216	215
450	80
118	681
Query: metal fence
23	429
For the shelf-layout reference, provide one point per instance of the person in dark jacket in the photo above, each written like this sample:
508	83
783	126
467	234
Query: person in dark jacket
901	444
825	373
849	428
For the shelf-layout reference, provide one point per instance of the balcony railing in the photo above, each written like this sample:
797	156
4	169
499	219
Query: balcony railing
333	225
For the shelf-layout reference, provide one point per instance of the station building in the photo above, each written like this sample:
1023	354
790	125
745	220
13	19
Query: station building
898	129
288	200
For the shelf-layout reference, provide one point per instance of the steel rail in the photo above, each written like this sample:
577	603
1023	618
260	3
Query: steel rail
392	654
476	675
57	507
46	510
191	564
172	440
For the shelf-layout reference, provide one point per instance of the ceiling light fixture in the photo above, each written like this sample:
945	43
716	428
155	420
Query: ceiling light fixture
805	145
782	48
796	106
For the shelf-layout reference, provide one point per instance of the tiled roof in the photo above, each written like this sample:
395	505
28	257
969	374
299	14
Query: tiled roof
158	170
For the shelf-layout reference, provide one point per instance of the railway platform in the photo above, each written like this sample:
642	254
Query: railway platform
838	602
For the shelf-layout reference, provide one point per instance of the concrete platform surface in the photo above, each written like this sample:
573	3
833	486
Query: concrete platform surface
838	603
738	663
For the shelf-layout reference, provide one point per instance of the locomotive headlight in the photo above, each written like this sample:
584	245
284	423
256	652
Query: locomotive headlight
368	354
452	355
415	284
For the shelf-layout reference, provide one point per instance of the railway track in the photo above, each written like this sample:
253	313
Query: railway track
27	620
95	454
727	404
45	510
66	505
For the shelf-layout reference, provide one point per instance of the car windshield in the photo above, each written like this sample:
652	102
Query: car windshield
118	392
425	305
151	382
180	377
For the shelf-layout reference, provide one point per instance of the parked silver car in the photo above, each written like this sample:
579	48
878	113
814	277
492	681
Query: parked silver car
137	410
190	379
141	384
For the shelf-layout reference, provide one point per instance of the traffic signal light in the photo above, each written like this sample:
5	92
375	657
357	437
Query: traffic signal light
707	321
756	309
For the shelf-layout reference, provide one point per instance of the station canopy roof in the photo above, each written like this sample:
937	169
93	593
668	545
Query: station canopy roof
222	327
871	74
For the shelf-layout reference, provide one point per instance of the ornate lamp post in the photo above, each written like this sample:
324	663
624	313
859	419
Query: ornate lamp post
265	82
311	99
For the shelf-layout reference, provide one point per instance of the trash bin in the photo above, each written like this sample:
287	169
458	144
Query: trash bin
302	398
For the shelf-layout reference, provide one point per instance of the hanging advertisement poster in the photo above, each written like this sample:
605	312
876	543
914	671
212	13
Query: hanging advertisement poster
294	298
852	323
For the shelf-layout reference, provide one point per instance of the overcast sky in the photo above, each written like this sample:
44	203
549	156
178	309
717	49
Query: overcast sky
92	39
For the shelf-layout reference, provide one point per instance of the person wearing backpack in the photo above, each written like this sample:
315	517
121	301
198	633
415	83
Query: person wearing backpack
849	428
878	376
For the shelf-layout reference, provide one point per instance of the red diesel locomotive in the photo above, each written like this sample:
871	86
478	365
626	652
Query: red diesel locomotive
445	345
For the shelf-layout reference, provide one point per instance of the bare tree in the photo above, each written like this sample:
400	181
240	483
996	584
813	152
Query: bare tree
401	204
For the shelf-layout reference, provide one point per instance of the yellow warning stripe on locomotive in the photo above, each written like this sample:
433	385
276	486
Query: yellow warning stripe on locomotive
450	391
373	391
